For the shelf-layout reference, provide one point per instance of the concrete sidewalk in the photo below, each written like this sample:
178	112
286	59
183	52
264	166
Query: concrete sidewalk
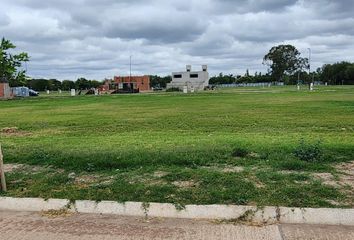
25	226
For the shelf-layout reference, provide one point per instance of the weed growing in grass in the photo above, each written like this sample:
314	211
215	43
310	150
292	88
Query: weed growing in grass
309	152
240	152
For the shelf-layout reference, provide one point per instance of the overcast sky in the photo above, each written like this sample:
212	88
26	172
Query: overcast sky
68	39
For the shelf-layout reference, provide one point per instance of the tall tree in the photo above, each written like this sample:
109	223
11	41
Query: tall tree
38	84
82	84
54	85
284	59
338	73
67	85
10	64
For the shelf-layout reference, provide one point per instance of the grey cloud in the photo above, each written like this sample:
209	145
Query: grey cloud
331	9
4	20
90	38
251	6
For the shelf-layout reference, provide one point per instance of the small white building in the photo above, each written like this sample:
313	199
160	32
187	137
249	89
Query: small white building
193	80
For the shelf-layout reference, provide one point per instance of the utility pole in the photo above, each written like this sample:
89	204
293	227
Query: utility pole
2	173
130	68
309	60
311	78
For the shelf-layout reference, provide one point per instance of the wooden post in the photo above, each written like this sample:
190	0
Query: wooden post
2	172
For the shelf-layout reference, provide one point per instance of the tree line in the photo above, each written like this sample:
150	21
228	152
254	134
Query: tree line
292	79
66	85
337	73
83	84
234	79
285	64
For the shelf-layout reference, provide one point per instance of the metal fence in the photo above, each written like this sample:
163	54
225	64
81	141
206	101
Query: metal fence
260	84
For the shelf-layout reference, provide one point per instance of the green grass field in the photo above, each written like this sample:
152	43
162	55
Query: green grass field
170	147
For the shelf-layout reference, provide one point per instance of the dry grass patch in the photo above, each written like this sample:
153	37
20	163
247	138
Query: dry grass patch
326	178
225	168
56	213
13	167
25	168
14	132
85	181
149	179
347	173
186	184
160	174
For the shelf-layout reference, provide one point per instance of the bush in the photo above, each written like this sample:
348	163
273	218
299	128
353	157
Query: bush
310	152
239	152
173	89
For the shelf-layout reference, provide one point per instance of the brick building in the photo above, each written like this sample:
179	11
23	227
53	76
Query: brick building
5	90
135	82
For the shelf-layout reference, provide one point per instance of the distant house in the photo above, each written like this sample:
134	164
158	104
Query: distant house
5	90
126	84
196	80
142	83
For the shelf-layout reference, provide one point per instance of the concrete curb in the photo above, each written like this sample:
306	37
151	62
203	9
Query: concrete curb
32	204
226	212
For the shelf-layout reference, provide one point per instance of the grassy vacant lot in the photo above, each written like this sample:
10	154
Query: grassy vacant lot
227	146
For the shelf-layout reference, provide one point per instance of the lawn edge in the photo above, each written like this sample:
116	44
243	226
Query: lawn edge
234	213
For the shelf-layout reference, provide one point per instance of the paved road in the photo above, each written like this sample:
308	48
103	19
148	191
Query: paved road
28	226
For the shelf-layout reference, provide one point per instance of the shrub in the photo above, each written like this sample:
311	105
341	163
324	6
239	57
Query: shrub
173	89
310	152
239	152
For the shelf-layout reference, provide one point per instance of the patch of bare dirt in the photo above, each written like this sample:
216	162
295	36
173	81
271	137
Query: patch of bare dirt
253	155
185	184
258	183
160	174
16	167
92	180
291	172
334	203
326	178
28	169
345	177
13	167
149	179
347	173
232	169
344	181
225	168
13	131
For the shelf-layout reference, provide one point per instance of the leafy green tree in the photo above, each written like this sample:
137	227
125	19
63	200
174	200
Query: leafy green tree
223	79
38	84
82	84
338	73
95	83
66	85
157	81
54	85
284	59
10	64
349	74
